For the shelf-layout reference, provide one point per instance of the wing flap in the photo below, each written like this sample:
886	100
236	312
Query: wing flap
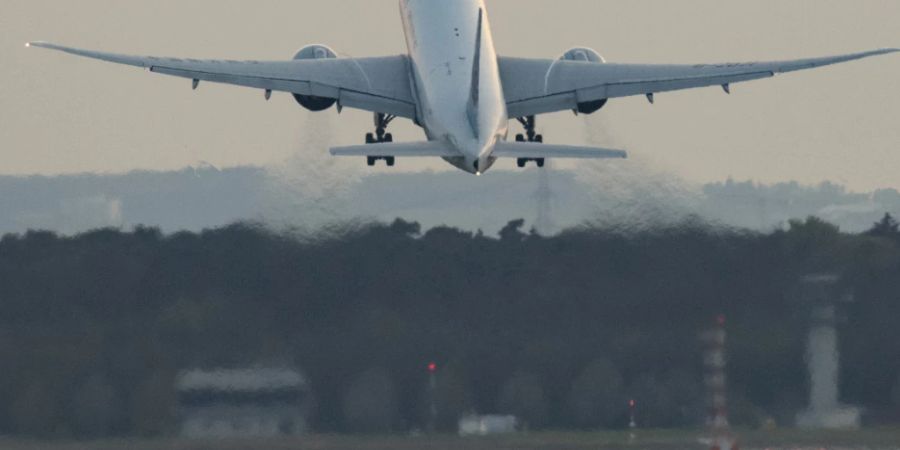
531	150
629	88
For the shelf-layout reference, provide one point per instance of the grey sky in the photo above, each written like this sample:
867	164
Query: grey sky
59	114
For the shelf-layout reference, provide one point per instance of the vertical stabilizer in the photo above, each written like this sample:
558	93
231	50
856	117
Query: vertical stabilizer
476	74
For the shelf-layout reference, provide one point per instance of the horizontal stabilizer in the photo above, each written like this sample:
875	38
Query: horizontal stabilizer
399	150
531	150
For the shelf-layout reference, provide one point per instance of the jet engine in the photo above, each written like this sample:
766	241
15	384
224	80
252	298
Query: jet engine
311	102
590	56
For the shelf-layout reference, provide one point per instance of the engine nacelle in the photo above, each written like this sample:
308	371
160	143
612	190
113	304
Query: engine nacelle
591	56
311	102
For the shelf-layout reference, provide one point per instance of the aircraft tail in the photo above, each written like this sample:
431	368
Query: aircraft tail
525	150
531	150
399	150
474	93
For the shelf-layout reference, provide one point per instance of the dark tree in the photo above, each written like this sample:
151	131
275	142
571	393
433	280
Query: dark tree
887	227
559	330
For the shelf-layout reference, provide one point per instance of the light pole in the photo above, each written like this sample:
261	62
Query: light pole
714	362
632	422
432	397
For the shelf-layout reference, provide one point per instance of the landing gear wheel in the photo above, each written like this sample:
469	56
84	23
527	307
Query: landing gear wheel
529	123
381	136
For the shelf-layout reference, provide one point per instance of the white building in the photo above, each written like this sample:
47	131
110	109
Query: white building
246	403
475	425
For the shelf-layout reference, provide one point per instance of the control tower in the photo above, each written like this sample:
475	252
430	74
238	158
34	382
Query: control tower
824	294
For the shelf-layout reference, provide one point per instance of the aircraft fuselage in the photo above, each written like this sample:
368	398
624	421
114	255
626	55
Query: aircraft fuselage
443	42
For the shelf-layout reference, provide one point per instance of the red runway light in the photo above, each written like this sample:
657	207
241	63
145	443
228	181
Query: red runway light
432	367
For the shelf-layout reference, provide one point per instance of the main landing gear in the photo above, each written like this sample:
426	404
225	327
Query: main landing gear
381	136
530	136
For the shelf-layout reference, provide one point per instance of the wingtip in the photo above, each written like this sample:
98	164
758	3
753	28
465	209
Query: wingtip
39	44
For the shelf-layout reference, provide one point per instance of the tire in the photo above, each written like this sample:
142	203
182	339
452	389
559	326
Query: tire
370	138
389	137
540	163
521	162
391	161
371	161
539	139
520	138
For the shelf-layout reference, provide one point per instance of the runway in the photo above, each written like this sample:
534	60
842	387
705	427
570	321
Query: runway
876	439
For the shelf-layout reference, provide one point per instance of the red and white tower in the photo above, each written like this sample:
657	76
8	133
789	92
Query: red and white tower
714	363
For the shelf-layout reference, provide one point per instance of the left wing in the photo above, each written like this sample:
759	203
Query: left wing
373	84
538	86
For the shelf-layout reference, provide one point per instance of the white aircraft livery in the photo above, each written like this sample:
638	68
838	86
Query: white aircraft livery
453	84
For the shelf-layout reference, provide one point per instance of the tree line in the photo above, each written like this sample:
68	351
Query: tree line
561	331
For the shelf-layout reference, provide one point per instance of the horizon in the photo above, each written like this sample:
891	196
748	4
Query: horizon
196	198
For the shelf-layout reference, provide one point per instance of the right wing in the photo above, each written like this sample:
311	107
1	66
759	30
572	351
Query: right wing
372	84
538	86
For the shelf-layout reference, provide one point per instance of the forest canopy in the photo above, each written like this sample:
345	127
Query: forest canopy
560	331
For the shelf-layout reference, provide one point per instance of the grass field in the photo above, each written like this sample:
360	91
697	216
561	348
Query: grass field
882	438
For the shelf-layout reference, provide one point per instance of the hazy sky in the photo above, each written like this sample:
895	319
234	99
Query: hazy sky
60	114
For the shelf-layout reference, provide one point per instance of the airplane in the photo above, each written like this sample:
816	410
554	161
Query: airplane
454	86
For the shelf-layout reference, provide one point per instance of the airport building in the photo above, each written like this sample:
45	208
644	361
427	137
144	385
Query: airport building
475	425
244	403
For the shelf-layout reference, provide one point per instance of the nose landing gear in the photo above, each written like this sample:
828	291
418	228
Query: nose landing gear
529	123
381	136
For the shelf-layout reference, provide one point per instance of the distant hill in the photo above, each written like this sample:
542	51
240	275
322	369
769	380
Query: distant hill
197	198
